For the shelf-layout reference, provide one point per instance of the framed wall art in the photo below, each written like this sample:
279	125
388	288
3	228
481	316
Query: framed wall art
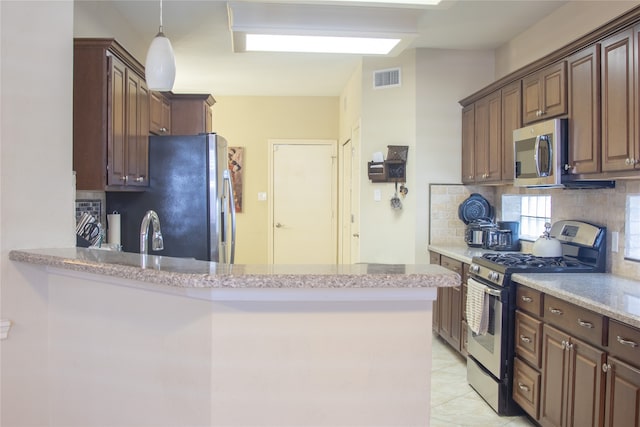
236	167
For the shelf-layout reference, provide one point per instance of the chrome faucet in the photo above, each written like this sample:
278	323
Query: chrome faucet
157	242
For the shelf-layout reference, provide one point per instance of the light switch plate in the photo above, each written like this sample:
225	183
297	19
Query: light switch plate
615	236
262	196
377	195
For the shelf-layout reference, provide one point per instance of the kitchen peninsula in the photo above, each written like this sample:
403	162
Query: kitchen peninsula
149	340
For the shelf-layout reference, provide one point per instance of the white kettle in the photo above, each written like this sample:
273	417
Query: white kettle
546	246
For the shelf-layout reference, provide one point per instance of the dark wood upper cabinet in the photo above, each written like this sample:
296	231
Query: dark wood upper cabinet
110	117
488	138
468	145
159	114
544	93
618	99
584	111
511	120
191	114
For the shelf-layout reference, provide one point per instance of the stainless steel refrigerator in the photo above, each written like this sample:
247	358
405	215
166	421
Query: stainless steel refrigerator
190	189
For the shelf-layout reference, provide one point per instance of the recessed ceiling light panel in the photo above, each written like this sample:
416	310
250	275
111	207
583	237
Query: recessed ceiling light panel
319	44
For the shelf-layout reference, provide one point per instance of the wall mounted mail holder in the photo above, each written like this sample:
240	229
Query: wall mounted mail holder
394	169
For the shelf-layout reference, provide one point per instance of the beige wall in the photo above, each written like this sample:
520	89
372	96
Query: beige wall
250	122
568	23
388	118
36	196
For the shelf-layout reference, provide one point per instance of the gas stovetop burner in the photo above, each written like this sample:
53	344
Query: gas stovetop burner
528	260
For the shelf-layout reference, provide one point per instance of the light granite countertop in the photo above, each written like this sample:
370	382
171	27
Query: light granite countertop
191	273
460	253
607	294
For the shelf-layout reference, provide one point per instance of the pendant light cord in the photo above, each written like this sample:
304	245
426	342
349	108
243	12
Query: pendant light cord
161	16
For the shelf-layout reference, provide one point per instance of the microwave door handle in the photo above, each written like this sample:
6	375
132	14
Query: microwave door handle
540	139
536	151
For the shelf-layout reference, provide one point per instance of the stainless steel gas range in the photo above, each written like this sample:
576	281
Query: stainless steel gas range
491	354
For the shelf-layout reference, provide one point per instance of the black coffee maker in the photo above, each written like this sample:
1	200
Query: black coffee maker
504	237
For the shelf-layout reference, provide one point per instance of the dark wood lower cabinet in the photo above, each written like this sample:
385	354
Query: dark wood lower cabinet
623	394
572	392
448	309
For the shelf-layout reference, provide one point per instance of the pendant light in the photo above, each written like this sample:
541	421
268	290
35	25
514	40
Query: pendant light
160	66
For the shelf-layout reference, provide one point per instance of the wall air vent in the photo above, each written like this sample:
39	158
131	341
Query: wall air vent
386	78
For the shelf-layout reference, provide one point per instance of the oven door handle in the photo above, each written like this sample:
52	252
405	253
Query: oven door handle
493	292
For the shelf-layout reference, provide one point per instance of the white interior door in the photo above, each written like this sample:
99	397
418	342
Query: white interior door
355	194
350	199
345	203
303	220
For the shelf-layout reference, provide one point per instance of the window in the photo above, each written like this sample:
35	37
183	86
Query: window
532	211
632	228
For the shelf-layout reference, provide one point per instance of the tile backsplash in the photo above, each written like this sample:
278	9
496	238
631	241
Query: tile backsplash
602	206
92	202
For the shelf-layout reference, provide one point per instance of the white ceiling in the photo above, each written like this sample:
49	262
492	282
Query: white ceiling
199	32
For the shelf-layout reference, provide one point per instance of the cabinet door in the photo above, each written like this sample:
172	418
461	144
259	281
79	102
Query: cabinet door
511	120
584	111
456	298
528	338
554	86
585	385
488	138
208	119
623	394
554	377
137	131
116	147
545	93
531	102
435	322
445	313
166	116
617	87
159	114
526	388
468	142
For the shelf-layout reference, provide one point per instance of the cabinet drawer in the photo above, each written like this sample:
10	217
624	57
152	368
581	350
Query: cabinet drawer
624	342
451	264
526	388
529	300
434	258
528	338
576	320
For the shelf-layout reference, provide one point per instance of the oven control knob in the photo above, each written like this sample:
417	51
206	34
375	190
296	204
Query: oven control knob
494	276
474	268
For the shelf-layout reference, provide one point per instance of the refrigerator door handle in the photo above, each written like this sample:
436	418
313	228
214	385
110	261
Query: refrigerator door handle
232	209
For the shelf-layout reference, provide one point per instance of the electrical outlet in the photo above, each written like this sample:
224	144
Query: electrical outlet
615	236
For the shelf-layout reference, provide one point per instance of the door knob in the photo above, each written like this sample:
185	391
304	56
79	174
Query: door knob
356	234
278	225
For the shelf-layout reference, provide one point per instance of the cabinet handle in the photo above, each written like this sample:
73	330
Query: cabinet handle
525	339
606	367
523	387
140	179
526	298
555	311
566	345
624	341
584	324
163	130
125	178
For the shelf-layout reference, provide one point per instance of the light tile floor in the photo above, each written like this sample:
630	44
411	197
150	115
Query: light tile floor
453	402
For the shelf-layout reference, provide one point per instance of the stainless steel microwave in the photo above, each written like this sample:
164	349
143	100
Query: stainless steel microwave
540	151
